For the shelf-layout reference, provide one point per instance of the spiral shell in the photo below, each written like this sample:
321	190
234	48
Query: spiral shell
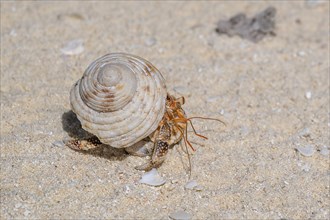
120	99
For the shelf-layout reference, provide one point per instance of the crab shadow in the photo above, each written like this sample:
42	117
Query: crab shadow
72	126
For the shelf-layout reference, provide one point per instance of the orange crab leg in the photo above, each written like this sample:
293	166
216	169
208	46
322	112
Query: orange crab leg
185	137
185	120
185	143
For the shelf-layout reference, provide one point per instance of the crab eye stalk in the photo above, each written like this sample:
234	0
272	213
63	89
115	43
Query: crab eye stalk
180	100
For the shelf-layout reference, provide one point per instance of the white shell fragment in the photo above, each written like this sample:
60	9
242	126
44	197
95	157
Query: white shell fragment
324	150
191	184
305	133
58	144
306	151
120	99
180	215
73	47
308	95
152	178
150	41
306	167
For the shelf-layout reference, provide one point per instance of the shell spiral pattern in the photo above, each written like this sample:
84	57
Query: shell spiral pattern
120	99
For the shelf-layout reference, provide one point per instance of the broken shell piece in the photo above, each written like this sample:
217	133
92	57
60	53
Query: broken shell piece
73	47
58	144
180	215
308	95
198	188
324	151
150	41
191	184
306	151
152	178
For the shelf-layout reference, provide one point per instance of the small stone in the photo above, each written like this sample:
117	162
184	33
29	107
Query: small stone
18	205
308	95
305	133
73	47
180	215
26	212
306	167
127	189
58	144
244	130
150	41
191	184
198	188
213	98
306	151
324	150
13	33
152	178
174	181
301	53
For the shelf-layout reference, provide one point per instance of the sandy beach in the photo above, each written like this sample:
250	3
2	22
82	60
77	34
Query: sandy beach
271	161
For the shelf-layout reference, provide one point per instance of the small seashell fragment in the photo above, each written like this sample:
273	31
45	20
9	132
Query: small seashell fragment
73	47
58	144
301	53
152	178
213	98
150	41
308	95
324	150
174	181
180	215
306	167
13	33
191	184
198	188
306	151
305	133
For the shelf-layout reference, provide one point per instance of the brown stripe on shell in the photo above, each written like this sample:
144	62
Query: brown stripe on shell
118	124
105	90
110	96
149	69
147	88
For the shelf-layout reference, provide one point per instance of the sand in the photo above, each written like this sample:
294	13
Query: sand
274	96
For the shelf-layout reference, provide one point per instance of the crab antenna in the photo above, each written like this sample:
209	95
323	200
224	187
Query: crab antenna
206	118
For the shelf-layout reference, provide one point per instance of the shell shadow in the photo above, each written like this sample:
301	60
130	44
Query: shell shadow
72	126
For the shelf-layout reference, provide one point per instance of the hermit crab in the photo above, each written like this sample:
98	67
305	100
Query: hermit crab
123	101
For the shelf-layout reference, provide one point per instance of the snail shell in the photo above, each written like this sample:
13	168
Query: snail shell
120	99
